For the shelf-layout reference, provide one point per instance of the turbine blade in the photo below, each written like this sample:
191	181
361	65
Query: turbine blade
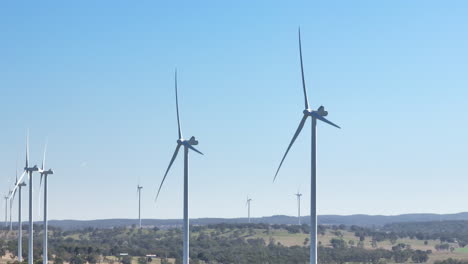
39	196
301	125
306	101
191	147
177	107
319	117
44	157
27	150
18	182
168	168
16	171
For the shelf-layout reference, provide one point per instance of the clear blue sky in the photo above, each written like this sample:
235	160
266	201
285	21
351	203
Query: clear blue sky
96	79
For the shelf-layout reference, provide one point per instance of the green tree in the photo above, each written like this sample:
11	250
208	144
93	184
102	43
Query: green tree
126	260
338	243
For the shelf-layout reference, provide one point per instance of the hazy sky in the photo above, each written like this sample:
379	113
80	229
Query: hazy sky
96	79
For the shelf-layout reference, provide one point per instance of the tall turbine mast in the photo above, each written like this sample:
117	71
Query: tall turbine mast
20	224
139	203
18	185
6	210
188	145
298	195
44	175
11	207
315	115
248	207
29	170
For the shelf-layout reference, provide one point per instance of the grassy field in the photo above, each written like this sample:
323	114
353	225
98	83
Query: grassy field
458	253
288	239
285	238
110	259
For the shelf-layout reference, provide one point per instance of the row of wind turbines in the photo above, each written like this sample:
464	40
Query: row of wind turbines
298	196
19	184
189	144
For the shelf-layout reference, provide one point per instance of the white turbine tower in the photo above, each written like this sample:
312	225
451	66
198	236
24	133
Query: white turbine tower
18	186
11	207
29	170
298	195
139	203
44	173
6	197
20	224
187	144
315	115
248	207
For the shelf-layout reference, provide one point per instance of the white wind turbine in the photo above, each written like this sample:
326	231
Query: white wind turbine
20	224
248	207
187	144
139	203
315	115
11	208
44	173
298	195
29	170
18	186
6	197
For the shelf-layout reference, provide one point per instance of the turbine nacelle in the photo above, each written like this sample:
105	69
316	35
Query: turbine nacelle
46	172
192	141
35	168
320	111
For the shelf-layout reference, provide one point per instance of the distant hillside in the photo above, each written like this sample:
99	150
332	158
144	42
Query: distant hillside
360	220
380	220
454	227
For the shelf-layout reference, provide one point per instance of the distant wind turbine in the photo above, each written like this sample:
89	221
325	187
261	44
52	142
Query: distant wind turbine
20	223
248	207
315	115
298	195
139	203
29	170
44	173
187	144
6	197
11	207
18	186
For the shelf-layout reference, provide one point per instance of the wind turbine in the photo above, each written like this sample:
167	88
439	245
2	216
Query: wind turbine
6	197
18	187
44	173
29	170
20	224
187	144
139	203
248	207
11	207
315	115
298	206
